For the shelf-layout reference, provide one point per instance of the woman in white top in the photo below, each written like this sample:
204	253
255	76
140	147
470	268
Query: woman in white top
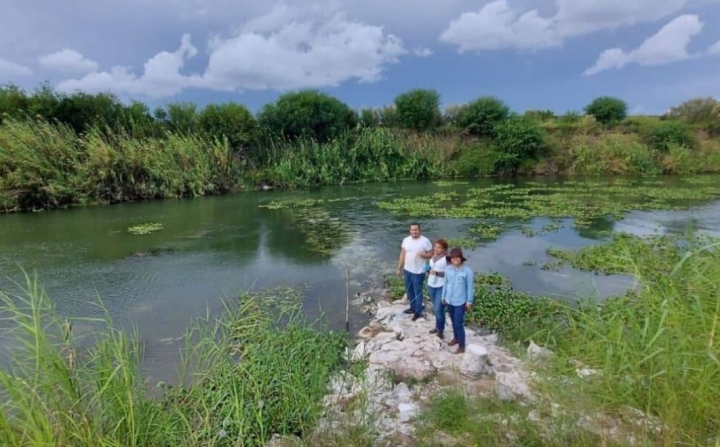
436	279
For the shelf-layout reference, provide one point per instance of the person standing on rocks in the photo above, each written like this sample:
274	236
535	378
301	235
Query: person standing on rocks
458	295
436	279
414	252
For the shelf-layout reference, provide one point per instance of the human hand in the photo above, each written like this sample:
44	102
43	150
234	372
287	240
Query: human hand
467	306
432	272
398	272
444	303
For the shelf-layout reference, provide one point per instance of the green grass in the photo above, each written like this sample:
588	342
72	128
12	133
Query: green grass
252	373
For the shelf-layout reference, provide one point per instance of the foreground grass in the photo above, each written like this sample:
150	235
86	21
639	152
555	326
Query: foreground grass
251	374
639	369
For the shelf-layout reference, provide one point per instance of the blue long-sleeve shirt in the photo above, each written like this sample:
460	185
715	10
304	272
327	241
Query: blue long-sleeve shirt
458	287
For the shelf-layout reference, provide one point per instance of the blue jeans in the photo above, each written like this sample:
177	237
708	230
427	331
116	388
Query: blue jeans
457	315
414	286
438	307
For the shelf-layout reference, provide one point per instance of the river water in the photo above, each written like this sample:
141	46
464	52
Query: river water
212	248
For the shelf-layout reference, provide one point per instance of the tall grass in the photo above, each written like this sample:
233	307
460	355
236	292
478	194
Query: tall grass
370	155
47	166
657	350
246	376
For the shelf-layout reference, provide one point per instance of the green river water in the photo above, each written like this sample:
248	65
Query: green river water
214	247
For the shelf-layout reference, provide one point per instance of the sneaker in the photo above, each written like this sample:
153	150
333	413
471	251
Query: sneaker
409	311
440	335
460	351
453	342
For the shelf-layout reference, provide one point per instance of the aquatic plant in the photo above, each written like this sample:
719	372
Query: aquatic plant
145	228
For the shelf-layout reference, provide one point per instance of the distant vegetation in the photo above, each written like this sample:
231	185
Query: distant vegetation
59	150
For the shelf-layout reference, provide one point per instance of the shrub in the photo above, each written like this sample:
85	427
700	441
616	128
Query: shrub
480	116
696	111
369	118
232	121
542	115
476	159
307	113
607	110
669	133
517	138
418	109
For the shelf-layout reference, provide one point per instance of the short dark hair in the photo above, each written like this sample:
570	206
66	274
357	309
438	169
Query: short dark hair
414	224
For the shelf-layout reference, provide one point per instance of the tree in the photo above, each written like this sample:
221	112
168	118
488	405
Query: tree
480	116
232	121
517	138
607	110
418	109
696	111
307	113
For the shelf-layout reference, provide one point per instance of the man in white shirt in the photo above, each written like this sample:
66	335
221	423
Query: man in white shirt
414	252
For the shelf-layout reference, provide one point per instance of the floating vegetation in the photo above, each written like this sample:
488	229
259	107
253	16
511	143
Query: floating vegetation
463	242
658	253
586	202
145	228
304	203
444	183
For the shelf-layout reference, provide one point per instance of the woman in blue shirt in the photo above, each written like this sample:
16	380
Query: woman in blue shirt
458	295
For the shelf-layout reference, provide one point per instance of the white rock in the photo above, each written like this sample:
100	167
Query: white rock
475	363
586	372
359	353
535	351
511	386
402	393
407	412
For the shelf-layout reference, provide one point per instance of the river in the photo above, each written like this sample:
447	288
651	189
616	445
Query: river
214	247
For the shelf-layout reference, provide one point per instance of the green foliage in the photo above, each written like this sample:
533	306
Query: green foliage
697	111
655	348
307	114
369	118
607	109
232	121
670	133
180	118
517	316
476	159
260	369
481	116
612	154
418	109
542	115
517	138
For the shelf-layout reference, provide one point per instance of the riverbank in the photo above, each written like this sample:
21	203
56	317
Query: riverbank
639	369
47	166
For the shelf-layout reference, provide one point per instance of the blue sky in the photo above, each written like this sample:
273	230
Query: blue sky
534	54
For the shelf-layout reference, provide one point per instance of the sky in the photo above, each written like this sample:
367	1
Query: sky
533	54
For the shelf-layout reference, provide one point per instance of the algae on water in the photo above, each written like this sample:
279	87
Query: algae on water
145	228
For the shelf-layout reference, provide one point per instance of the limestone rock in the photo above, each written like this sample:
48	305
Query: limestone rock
538	352
475	362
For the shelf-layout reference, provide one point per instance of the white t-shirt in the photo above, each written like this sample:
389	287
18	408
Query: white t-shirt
438	266
413	262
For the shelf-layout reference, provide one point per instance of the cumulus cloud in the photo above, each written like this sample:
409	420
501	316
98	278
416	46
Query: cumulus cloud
10	69
298	48
68	61
161	76
423	52
497	25
664	47
287	48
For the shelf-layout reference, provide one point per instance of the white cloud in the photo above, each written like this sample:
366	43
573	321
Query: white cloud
9	69
288	48
423	52
714	49
664	47
291	48
497	25
68	61
161	76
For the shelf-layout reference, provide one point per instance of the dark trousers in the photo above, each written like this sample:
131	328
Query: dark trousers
414	286
438	307
457	316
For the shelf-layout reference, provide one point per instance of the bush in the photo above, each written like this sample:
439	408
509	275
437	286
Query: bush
542	115
307	113
696	111
369	118
480	116
607	110
232	121
517	138
418	109
668	133
476	159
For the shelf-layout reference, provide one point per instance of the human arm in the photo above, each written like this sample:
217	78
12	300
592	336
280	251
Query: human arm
470	290
401	261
